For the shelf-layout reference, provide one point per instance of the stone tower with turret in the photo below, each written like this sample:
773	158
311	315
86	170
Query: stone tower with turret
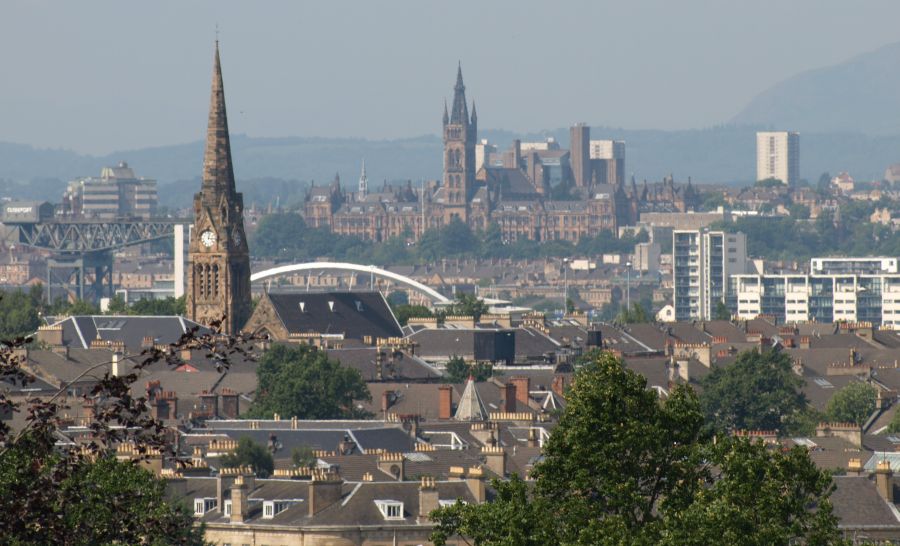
460	135
219	273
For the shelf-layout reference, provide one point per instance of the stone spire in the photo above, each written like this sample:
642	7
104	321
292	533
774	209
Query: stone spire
460	113
446	115
363	181
474	114
470	407
218	171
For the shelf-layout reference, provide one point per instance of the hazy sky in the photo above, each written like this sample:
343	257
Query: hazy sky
99	76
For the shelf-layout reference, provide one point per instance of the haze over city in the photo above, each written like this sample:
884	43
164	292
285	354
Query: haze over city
107	76
526	273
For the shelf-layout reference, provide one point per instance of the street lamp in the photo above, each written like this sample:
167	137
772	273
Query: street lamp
627	286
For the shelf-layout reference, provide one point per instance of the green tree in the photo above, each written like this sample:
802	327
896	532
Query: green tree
623	467
117	306
406	312
165	307
759	496
458	371
101	502
636	315
303	456
759	391
722	312
75	308
249	453
894	425
468	305
769	183
18	314
852	404
303	382
799	211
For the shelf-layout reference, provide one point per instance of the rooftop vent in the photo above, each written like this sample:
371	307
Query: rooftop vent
302	306
359	306
331	306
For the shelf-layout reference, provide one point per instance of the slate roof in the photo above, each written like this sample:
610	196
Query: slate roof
79	331
353	314
857	503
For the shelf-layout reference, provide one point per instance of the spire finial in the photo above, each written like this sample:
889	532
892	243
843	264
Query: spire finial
460	112
218	172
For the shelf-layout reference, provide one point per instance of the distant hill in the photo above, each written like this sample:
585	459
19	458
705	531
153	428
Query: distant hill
859	95
267	168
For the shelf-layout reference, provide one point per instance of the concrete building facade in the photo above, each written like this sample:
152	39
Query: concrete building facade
778	156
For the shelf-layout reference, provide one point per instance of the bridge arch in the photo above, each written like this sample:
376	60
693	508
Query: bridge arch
436	296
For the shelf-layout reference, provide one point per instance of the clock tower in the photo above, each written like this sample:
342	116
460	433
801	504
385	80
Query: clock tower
219	273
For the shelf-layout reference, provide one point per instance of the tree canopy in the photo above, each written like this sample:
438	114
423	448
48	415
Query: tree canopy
623	467
92	502
458	371
852	404
301	381
759	391
249	453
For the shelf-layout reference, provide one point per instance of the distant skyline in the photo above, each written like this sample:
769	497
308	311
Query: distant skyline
104	76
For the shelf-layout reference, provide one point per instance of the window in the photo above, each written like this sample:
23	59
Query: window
390	509
274	507
203	505
226	508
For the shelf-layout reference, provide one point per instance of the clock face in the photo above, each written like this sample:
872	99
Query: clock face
208	238
236	236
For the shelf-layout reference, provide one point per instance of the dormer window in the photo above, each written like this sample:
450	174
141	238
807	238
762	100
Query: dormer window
226	508
274	507
203	505
390	509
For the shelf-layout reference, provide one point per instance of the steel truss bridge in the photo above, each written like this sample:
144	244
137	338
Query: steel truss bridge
80	246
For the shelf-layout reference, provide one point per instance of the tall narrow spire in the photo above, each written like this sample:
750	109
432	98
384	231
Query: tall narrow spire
446	115
474	114
218	171
460	113
363	181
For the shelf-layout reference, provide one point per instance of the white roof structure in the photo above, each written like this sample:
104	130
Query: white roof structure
470	406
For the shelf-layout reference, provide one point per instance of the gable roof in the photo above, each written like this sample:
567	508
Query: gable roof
79	331
353	314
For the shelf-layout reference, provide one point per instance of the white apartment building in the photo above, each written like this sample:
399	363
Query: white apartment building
862	266
778	156
607	149
703	262
849	297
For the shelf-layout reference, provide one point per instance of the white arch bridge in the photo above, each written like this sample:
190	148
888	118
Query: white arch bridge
436	296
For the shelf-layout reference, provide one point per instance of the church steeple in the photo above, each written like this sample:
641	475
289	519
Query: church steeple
446	115
219	275
460	112
363	181
218	170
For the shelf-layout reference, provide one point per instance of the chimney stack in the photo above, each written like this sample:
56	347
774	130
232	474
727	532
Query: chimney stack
238	500
508	392
428	497
523	386
884	481
495	460
324	490
445	402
